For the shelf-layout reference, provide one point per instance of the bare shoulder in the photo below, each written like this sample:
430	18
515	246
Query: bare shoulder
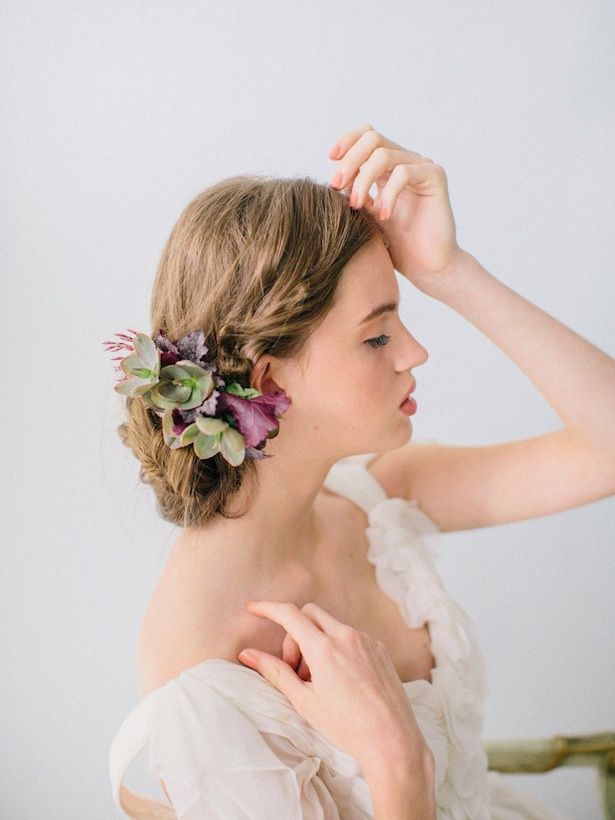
171	641
197	613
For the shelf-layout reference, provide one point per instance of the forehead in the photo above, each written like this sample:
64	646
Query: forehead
367	281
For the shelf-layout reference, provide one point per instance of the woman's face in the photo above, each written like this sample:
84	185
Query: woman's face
356	371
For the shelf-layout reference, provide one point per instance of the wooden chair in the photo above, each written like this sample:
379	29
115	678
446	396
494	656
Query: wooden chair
541	755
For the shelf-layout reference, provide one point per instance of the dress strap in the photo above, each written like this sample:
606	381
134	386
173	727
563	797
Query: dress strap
350	477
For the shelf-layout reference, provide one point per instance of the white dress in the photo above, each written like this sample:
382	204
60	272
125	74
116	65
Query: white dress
229	745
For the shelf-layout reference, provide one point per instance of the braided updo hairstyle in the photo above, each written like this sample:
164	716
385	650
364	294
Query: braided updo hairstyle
254	262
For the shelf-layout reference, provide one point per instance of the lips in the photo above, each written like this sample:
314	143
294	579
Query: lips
408	392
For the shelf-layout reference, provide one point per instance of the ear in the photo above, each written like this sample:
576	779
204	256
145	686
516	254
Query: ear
264	373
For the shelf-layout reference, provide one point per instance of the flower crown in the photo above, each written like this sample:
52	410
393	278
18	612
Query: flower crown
196	406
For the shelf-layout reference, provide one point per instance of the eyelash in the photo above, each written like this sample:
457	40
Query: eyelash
377	340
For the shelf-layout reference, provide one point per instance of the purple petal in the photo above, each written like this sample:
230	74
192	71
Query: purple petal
255	418
169	353
168	357
192	346
179	423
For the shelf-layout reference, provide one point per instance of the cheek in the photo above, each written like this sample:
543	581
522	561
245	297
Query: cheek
369	384
375	370
355	383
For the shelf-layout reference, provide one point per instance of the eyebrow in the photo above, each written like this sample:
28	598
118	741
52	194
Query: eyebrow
377	311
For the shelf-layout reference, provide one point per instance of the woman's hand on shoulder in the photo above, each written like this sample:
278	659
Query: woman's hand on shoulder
345	686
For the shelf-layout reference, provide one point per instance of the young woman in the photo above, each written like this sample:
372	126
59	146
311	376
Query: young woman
282	447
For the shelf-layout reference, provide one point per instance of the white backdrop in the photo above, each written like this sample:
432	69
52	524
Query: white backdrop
115	116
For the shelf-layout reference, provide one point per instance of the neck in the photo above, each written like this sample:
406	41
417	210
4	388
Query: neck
283	526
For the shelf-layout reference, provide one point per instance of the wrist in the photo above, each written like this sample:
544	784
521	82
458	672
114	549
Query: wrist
403	788
398	764
458	279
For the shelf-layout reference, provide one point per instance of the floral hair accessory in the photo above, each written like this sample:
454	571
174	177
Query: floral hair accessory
178	382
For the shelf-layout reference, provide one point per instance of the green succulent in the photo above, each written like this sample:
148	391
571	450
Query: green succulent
141	367
183	385
208	436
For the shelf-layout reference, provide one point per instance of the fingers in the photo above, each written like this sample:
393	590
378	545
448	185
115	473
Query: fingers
303	639
301	628
322	618
424	178
291	651
346	140
378	166
355	147
356	150
303	671
366	157
279	674
291	654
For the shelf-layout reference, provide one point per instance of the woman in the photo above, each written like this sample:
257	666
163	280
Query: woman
323	517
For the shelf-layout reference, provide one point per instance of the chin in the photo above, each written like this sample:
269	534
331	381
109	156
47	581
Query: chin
392	440
408	430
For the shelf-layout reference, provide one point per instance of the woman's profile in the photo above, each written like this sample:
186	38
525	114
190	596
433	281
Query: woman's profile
270	413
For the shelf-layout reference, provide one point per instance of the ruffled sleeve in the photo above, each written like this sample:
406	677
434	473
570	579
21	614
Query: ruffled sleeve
214	761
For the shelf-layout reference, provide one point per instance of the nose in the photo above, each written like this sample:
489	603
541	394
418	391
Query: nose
423	351
412	354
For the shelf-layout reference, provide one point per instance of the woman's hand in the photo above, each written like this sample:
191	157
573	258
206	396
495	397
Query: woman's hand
411	205
349	690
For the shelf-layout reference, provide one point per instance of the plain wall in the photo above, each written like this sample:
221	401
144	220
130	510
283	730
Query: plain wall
115	116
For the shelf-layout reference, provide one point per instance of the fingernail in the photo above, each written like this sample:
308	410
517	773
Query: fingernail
247	657
337	180
335	150
384	213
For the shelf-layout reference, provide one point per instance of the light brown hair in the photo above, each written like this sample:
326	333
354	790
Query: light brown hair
254	262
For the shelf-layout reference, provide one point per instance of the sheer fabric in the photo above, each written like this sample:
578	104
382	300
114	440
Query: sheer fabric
229	745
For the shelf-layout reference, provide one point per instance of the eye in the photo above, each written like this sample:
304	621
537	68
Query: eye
378	341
